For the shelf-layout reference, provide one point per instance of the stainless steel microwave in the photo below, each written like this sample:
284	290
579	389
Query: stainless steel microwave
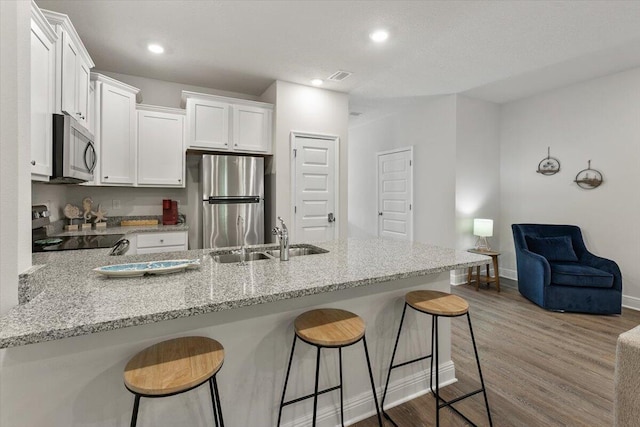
74	153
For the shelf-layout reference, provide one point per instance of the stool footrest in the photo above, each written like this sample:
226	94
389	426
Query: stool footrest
411	361
310	396
448	403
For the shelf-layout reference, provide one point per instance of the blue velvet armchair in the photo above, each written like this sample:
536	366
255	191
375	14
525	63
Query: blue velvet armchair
557	272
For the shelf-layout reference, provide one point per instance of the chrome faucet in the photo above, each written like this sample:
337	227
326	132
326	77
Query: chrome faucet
120	248
283	236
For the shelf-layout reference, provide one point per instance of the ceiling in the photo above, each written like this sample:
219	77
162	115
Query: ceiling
495	50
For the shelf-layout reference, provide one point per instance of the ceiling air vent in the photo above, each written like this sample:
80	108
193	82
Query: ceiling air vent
339	76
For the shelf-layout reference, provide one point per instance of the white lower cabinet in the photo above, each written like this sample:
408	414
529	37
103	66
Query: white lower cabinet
161	157
152	243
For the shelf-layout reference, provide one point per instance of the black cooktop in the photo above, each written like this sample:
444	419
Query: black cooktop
71	243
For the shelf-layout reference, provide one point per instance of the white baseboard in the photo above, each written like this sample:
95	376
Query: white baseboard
361	406
509	273
631	302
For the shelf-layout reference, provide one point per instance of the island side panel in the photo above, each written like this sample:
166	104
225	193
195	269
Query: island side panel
78	381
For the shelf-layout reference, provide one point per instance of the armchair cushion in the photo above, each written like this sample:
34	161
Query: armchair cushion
574	274
557	248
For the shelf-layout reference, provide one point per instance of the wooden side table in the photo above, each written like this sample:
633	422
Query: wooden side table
485	278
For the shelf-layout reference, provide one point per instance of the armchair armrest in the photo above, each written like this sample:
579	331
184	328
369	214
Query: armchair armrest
532	260
534	275
603	264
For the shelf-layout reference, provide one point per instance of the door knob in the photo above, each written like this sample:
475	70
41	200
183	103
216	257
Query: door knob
379	213
33	162
331	217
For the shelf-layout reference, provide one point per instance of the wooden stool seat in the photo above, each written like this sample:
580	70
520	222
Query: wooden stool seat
437	303
173	366
329	327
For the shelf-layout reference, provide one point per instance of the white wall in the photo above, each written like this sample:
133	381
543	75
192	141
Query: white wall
133	201
15	191
167	94
429	125
597	120
307	109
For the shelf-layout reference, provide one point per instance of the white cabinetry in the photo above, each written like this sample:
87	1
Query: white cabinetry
157	242
43	58
227	124
73	65
161	156
115	131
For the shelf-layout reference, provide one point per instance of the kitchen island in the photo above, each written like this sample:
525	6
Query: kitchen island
249	309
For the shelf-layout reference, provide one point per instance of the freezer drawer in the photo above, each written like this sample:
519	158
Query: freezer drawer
222	228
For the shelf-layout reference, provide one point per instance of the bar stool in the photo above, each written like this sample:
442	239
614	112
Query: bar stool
437	304
328	328
173	367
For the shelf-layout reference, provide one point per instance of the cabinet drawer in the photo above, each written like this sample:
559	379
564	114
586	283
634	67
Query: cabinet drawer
156	250
150	240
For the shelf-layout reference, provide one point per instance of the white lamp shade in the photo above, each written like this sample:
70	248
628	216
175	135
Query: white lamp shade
483	227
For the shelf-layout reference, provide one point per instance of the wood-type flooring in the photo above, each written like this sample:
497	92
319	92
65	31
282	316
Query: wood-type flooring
541	368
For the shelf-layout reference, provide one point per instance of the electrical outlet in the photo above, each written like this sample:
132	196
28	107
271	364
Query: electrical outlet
115	204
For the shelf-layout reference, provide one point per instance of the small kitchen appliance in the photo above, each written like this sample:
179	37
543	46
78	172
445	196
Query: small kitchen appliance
169	212
74	154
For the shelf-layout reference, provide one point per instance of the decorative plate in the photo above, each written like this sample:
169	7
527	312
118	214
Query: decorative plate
137	269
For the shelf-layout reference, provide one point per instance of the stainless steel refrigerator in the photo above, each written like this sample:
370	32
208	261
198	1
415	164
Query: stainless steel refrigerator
232	200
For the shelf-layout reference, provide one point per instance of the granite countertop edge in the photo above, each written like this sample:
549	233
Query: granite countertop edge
18	339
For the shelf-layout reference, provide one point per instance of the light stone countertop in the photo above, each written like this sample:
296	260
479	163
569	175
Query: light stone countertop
78	301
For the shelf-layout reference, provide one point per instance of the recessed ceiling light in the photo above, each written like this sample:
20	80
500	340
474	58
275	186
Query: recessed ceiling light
155	48
316	82
379	36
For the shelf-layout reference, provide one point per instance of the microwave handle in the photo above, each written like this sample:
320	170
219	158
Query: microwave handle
94	160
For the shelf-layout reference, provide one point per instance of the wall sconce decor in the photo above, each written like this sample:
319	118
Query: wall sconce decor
482	228
550	165
588	178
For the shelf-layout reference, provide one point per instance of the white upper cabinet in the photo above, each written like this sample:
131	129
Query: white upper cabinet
73	65
43	39
251	128
161	156
219	123
116	131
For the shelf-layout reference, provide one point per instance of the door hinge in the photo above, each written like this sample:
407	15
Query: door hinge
295	152
295	209
409	206
409	162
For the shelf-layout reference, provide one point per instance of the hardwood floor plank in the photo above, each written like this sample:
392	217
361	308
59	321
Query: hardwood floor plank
541	368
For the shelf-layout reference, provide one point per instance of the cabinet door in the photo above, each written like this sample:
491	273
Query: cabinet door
42	103
70	61
208	124
160	149
251	128
82	92
117	136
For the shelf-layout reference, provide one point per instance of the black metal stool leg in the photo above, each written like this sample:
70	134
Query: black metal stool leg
134	415
373	385
393	357
431	361
436	349
286	379
215	387
315	393
341	393
213	402
475	350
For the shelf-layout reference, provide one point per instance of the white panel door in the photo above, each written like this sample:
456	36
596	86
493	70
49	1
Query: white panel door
395	194
117	136
160	149
42	102
315	189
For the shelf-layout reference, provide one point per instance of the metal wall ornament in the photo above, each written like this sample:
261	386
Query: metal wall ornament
549	165
588	178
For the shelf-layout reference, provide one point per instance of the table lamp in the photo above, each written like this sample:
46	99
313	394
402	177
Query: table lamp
482	228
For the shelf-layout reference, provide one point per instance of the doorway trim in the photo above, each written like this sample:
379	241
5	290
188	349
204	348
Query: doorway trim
292	161
411	202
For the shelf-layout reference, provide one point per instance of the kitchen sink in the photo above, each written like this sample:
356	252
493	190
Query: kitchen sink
249	256
296	250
